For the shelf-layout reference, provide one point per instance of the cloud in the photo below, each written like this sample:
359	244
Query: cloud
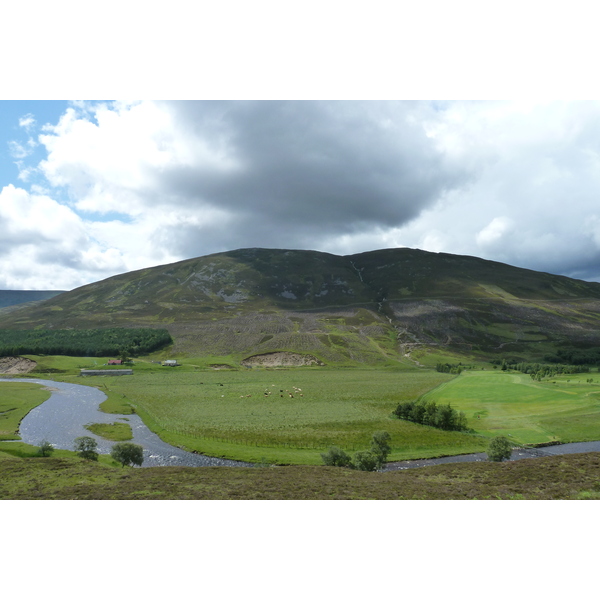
249	173
145	183
45	245
28	122
494	232
533	196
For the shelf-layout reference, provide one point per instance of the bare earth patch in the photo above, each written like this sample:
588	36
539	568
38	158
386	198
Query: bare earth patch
281	359
14	365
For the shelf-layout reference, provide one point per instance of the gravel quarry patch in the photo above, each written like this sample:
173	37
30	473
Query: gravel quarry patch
16	365
281	359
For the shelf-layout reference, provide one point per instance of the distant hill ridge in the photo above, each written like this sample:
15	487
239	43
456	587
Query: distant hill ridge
13	297
372	307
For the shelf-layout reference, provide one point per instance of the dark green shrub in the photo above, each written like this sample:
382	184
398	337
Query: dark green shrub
46	448
86	447
365	460
380	447
499	449
128	454
336	457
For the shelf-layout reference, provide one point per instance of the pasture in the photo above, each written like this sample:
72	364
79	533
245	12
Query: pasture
285	416
292	415
16	400
564	408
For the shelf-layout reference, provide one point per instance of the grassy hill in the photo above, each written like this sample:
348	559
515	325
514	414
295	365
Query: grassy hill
374	307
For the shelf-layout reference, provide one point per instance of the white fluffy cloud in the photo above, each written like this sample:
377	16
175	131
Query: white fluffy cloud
45	245
129	185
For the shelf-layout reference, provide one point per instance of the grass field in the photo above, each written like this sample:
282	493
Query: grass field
565	408
249	414
287	416
117	432
16	400
292	415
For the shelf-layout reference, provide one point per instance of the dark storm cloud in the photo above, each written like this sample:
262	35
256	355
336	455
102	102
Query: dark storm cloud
298	169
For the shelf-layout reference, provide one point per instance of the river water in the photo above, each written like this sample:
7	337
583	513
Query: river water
517	454
62	417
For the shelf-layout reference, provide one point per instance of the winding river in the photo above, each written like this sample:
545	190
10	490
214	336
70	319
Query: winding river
517	454
62	417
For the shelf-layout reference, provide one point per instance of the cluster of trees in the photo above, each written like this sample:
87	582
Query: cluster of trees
83	342
529	368
537	371
124	452
442	416
363	460
575	356
449	368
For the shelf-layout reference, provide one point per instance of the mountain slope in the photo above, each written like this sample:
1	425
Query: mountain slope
371	307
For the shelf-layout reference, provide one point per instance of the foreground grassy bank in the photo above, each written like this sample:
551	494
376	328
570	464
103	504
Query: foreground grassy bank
574	476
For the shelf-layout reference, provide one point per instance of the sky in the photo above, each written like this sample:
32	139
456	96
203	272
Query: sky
89	189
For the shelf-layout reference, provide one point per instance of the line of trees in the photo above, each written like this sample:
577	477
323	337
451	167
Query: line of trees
575	356
449	368
537	371
87	447
442	416
83	342
529	368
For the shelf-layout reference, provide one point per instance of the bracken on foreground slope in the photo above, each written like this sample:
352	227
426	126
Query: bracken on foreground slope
557	477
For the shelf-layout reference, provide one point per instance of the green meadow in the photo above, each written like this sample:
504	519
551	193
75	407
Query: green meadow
279	415
292	415
16	400
565	408
117	432
286	416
